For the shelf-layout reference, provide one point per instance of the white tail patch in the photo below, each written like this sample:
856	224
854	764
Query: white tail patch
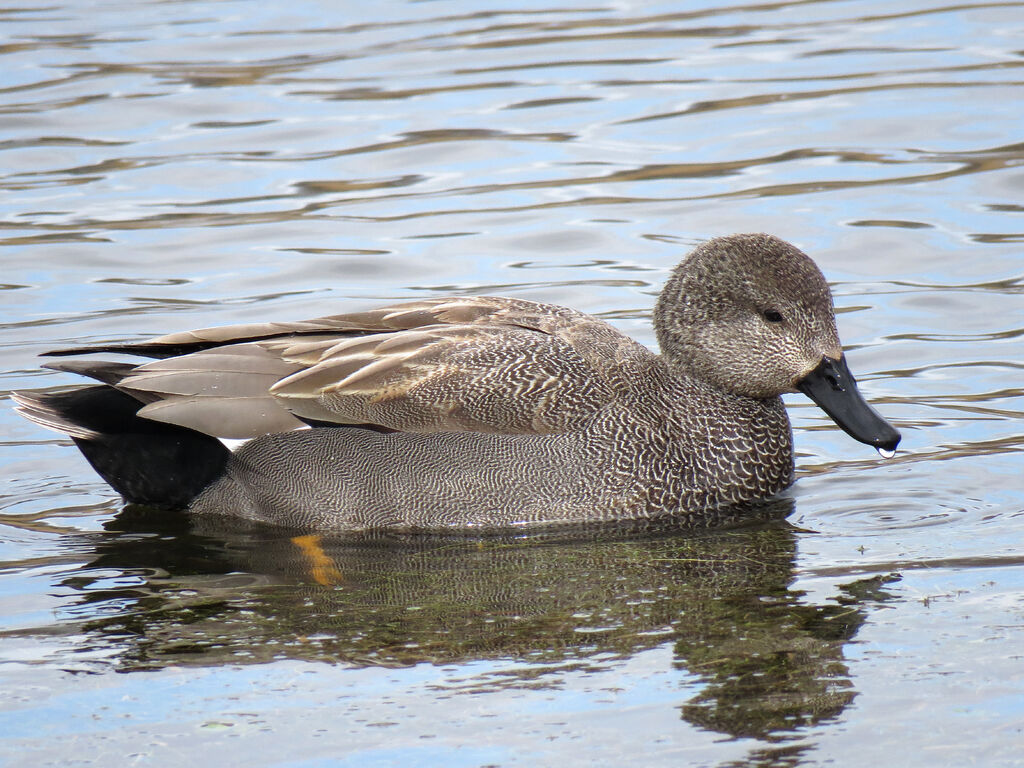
234	444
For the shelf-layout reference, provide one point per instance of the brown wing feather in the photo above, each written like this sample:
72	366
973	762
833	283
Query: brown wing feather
397	317
222	391
475	363
484	378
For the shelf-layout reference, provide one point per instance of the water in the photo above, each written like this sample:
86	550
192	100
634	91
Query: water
178	165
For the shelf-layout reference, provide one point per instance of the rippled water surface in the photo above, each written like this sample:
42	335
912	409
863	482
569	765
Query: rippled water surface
171	165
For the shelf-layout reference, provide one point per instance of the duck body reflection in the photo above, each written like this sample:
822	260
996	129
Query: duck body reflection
215	592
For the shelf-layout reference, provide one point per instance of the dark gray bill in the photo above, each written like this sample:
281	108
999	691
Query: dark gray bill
833	388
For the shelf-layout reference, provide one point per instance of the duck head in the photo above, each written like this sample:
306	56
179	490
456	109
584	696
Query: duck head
752	315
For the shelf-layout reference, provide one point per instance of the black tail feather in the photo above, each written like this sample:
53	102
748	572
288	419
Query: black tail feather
147	462
102	370
142	349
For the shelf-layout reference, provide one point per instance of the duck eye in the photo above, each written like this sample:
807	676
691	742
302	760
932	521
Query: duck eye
773	316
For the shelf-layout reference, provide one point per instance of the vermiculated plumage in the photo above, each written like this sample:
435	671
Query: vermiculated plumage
480	411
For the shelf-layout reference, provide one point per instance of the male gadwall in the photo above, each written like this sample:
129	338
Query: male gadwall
478	411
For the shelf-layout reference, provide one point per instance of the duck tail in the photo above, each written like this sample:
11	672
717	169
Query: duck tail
147	462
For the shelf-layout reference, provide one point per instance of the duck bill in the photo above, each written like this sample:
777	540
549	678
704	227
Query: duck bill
833	388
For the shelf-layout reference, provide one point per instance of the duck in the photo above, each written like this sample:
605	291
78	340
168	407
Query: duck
476	412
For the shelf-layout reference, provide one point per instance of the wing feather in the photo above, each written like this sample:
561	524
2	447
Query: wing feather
466	363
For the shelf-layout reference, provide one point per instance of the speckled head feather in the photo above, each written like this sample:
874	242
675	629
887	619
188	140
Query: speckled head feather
478	412
749	313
